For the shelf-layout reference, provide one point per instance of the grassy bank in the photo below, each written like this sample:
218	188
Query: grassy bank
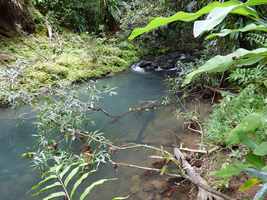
35	63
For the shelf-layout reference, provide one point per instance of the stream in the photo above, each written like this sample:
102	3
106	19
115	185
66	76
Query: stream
156	127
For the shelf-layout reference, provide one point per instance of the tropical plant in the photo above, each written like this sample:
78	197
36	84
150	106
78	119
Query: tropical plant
250	120
58	180
81	15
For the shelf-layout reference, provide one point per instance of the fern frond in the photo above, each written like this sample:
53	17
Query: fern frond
79	182
55	195
88	190
61	176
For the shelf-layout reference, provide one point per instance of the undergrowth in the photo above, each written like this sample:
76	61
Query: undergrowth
232	110
40	63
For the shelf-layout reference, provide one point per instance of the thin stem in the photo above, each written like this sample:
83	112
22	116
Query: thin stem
64	188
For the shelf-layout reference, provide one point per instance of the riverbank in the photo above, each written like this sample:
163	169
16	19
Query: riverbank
32	64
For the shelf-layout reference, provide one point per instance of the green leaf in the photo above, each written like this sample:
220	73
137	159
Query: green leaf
61	175
249	184
55	195
223	63
51	177
79	181
249	27
264	168
231	170
56	184
187	17
261	150
247	126
88	190
256	161
216	16
71	175
120	198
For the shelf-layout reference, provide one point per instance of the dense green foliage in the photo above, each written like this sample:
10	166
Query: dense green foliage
46	65
239	119
81	15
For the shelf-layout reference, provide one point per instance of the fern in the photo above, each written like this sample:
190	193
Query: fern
258	39
245	76
58	179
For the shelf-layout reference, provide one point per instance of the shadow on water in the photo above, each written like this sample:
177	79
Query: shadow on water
158	127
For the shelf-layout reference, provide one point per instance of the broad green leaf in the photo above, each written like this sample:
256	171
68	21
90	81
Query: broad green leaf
55	195
56	184
249	184
88	190
249	27
71	175
188	17
248	126
79	181
51	177
120	198
261	150
223	63
216	16
255	2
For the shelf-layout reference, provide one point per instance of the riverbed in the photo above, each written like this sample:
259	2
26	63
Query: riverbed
158	127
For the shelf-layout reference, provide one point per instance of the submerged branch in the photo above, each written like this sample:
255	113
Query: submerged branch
144	168
139	108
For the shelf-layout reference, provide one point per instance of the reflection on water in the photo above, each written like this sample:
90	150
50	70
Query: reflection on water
157	127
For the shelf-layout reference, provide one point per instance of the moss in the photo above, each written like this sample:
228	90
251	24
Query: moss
70	59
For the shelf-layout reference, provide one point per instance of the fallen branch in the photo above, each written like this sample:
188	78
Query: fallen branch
144	168
139	108
205	191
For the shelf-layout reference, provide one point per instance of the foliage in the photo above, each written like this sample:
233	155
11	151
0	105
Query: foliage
60	177
80	15
216	9
238	119
249	27
254	164
231	110
246	76
63	122
169	38
40	64
223	63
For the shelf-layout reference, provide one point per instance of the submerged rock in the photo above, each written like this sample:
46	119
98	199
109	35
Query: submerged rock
163	64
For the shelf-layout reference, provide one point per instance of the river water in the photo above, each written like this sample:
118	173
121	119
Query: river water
158	127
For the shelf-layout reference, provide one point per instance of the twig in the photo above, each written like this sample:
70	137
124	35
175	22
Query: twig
144	168
102	110
194	150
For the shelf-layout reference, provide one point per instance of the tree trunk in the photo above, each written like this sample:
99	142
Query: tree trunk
15	17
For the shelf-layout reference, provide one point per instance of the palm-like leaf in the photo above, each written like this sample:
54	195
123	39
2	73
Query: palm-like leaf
61	177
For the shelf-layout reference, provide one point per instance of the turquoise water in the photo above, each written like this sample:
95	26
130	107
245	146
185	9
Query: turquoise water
16	174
